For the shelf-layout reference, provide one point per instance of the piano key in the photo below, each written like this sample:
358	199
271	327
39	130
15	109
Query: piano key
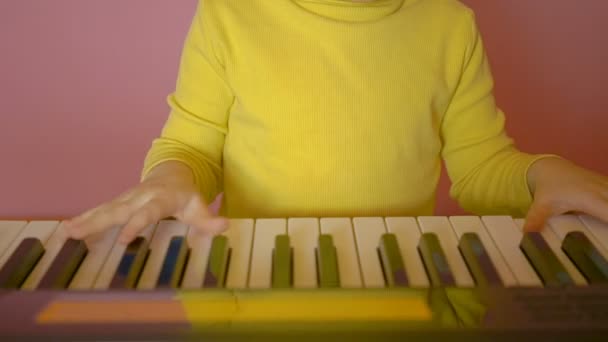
174	263
443	229
587	259
327	262
472	224
111	265
341	230
20	264
215	272
159	245
52	245
9	230
282	262
200	246
563	224
64	265
99	247
261	256
435	261
41	230
507	236
407	232
553	241
598	260
392	261
544	261
303	233
597	228
240	236
131	264
368	232
478	260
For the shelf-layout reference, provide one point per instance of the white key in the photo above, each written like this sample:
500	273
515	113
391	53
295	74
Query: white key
104	279
598	228
35	229
165	231
200	245
8	232
555	245
472	224
348	262
507	237
240	240
368	231
99	248
303	236
442	228
564	224
407	232
261	256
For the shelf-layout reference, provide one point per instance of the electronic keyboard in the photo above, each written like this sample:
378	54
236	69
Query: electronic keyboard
359	278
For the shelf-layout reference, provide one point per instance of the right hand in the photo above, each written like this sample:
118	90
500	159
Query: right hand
169	190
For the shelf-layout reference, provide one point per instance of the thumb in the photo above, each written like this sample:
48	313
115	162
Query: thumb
537	216
198	216
209	225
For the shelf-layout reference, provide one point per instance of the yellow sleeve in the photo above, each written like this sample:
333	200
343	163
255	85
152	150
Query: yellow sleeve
195	130
487	172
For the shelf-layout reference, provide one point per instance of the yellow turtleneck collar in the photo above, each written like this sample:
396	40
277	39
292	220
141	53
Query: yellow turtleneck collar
349	10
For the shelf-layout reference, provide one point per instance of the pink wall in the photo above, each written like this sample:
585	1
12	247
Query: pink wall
83	87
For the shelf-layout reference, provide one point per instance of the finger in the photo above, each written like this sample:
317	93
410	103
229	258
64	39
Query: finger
210	226
80	219
537	216
150	213
198	216
216	225
102	219
597	206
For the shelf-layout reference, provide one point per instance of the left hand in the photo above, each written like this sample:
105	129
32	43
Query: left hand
559	186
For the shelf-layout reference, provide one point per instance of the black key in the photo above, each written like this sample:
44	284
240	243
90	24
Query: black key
20	264
478	261
217	265
544	261
327	262
391	261
282	262
585	257
64	266
131	265
435	261
598	260
174	264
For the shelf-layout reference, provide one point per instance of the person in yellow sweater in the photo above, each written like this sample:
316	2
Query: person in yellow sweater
338	108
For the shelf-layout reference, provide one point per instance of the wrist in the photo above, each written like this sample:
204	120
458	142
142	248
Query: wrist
538	168
172	171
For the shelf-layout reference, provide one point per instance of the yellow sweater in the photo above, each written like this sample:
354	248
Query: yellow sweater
337	108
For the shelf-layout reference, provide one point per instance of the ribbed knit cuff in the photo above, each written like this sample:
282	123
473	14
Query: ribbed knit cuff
529	196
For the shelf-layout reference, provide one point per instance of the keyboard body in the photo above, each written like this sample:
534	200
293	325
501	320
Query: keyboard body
372	301
456	314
